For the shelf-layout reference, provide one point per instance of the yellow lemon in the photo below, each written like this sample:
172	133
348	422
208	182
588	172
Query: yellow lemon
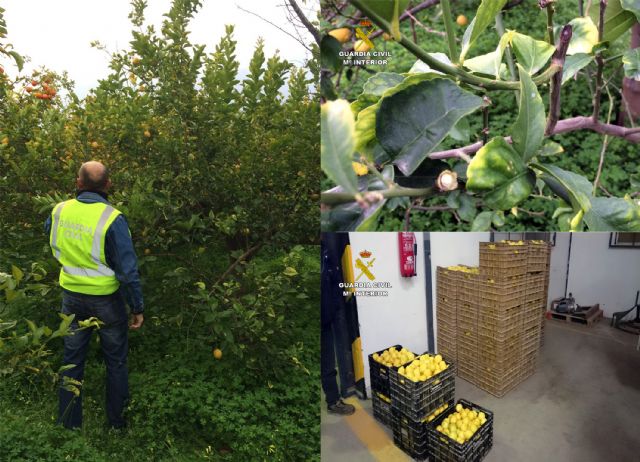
217	353
342	35
361	46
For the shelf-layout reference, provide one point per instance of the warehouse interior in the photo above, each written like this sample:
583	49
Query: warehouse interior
582	397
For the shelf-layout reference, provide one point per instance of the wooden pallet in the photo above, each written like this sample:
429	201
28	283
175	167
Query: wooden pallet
592	316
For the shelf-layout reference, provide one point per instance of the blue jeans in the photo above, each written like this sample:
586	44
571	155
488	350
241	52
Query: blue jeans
111	310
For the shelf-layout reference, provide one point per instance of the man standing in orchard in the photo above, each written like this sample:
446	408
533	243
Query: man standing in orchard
92	242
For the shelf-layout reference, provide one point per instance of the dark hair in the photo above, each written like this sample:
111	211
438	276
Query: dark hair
94	181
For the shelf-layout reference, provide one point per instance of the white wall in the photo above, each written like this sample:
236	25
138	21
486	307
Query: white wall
400	318
558	267
597	273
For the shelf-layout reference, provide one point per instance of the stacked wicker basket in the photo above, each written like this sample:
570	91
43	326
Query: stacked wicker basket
490	318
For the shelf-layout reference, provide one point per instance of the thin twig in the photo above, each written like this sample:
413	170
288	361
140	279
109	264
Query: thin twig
604	190
413	31
605	144
425	28
276	26
530	212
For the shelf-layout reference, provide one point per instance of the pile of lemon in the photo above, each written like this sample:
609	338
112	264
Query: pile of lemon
423	368
514	242
464	269
462	424
392	357
436	413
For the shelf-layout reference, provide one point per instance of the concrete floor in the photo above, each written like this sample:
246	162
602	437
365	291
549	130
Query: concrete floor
582	404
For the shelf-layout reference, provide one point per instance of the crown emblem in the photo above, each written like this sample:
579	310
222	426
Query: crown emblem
365	254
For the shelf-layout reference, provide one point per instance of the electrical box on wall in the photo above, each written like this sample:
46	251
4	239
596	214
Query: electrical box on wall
408	248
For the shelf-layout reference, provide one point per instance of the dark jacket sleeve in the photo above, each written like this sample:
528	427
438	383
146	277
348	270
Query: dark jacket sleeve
121	257
47	226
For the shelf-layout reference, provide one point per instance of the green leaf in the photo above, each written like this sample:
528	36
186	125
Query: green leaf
351	217
420	67
482	222
290	271
498	219
570	187
330	49
453	199
468	208
584	37
486	64
365	131
377	84
505	40
631	5
531	54
613	214
485	15
17	58
528	129
17	273
616	19
499	172
7	325
464	205
573	64
550	148
631	62
461	131
338	143
365	134
412	122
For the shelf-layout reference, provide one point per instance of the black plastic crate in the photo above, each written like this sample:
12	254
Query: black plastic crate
381	408
379	373
417	400
409	435
444	449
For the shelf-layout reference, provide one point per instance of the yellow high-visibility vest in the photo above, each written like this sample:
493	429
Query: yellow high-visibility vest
78	233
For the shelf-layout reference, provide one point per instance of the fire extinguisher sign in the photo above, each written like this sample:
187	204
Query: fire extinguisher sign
408	248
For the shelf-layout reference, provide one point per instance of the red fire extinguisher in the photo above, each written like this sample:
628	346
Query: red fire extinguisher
408	250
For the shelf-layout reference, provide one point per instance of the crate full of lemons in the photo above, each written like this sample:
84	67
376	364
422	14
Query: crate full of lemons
423	385
461	433
380	364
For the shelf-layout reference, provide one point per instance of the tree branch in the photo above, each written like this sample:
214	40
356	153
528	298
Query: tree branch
336	198
305	21
555	87
563	126
239	260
